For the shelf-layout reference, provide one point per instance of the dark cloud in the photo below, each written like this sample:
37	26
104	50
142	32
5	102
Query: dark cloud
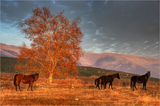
130	27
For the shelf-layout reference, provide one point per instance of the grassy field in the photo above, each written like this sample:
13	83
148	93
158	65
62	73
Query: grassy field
78	91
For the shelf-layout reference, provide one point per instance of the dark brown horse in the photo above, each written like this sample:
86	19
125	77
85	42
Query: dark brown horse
26	79
103	80
139	79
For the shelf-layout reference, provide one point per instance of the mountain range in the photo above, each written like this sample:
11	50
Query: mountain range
112	61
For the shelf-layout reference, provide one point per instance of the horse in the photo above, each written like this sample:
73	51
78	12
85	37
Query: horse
26	79
109	78
139	79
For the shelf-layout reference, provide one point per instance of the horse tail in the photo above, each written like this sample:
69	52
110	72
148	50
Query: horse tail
131	83
95	82
15	84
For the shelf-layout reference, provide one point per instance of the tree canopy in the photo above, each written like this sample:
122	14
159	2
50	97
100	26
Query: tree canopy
55	44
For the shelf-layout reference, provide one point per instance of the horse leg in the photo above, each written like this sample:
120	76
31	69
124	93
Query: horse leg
111	85
19	85
16	87
134	84
31	86
97	85
101	85
105	85
131	84
28	87
144	86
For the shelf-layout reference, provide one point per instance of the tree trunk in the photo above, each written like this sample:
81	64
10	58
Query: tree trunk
50	77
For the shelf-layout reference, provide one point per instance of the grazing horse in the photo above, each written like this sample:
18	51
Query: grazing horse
108	79
139	79
26	79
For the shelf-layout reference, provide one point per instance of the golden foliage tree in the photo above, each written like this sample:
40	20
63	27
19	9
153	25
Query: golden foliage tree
55	44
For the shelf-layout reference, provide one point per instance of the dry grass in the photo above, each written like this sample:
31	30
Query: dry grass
80	91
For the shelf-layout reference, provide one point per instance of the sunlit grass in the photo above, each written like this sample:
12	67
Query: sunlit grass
78	91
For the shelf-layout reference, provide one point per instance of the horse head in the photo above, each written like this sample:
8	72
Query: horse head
36	76
118	76
148	73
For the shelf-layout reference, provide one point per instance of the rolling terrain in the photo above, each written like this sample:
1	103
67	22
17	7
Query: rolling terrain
111	61
80	90
121	62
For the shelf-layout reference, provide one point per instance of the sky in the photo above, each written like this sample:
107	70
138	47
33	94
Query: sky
116	26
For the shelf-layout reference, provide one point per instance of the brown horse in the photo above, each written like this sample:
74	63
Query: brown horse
26	79
139	79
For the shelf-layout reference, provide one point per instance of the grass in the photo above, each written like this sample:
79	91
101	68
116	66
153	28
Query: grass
78	91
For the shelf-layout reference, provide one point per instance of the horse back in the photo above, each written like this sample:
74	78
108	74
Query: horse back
139	79
19	76
143	78
107	78
27	79
134	77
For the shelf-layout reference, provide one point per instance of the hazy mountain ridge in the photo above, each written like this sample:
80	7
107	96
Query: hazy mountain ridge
113	61
121	62
9	50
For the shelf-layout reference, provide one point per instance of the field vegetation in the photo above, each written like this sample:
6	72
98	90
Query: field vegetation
78	91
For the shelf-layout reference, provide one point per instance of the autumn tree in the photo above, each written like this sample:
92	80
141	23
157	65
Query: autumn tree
55	44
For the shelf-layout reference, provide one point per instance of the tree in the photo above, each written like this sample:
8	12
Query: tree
55	44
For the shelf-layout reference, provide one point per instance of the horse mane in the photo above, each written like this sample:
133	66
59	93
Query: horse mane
116	74
147	74
36	74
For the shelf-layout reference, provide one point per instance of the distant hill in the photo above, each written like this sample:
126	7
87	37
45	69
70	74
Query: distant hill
121	62
109	61
7	66
9	50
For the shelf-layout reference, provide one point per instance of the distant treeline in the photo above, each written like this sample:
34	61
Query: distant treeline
7	66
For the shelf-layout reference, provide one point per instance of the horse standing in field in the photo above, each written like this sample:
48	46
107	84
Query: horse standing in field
140	79
26	79
108	79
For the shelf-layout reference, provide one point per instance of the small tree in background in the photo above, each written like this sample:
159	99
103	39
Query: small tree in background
55	44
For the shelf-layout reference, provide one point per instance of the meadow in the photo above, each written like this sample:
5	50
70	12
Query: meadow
78	91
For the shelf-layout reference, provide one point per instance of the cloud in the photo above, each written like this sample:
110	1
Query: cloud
54	1
106	1
146	41
11	34
107	26
90	4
